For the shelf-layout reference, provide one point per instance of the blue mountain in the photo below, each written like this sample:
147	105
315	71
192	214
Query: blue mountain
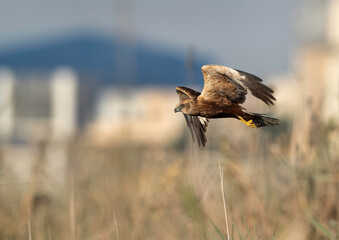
106	61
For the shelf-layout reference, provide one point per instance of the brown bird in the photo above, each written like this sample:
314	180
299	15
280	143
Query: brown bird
224	89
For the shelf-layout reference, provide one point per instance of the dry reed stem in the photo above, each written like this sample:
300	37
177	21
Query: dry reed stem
49	234
116	225
72	212
29	229
221	172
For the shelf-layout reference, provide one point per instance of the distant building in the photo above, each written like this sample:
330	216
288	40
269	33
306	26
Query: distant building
38	115
36	105
140	116
315	82
317	59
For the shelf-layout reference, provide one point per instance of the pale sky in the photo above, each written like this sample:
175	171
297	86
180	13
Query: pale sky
253	35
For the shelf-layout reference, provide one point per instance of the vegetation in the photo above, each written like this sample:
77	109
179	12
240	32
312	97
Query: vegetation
135	192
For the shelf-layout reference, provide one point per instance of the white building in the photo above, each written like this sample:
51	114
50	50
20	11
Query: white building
143	116
34	105
37	108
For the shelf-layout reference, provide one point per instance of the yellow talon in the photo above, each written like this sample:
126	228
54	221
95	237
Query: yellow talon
248	123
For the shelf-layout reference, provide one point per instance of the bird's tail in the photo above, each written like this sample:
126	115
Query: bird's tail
256	120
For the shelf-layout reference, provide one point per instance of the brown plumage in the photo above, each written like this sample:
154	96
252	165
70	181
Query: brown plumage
224	89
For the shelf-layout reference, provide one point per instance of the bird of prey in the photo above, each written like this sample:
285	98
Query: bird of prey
224	89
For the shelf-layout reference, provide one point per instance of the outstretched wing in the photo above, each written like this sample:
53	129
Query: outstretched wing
196	124
186	93
220	81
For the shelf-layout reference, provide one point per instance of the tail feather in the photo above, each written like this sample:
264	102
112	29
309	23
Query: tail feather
261	120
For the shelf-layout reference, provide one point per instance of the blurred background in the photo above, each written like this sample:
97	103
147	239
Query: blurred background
90	147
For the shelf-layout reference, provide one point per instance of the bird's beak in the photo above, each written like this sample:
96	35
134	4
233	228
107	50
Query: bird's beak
178	109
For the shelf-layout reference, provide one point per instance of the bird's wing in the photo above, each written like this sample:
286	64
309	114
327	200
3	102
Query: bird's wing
196	124
220	81
198	127
186	93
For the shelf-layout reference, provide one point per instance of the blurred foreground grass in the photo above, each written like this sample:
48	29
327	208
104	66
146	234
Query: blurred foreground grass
168	193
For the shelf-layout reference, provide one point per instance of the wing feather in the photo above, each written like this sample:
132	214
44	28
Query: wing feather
197	125
186	93
189	125
221	82
259	90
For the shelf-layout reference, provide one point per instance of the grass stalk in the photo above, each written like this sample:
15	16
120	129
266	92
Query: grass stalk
221	172
116	225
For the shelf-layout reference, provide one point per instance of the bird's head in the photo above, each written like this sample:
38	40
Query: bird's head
183	107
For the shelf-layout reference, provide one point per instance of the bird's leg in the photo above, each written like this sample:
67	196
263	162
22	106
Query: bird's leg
248	123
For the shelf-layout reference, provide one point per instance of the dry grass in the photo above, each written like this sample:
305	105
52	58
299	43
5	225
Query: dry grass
166	193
